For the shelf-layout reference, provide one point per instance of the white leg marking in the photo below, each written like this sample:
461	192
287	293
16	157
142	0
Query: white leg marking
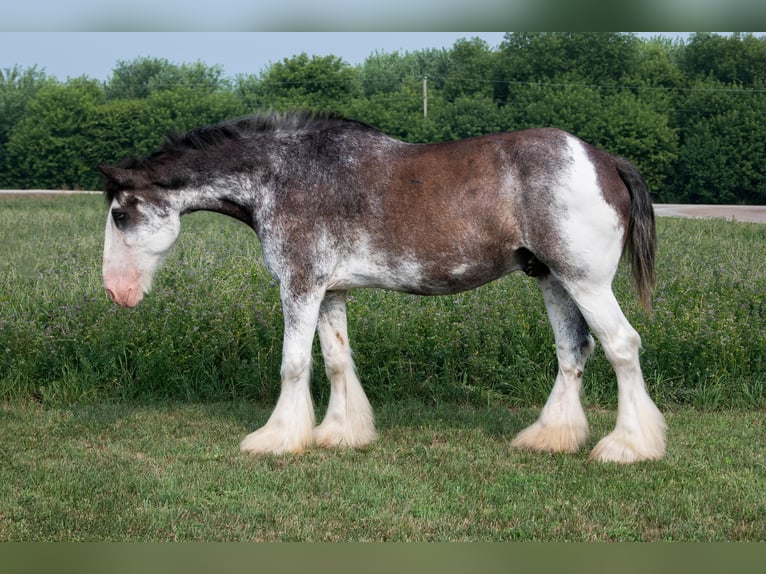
349	420
290	426
562	426
640	430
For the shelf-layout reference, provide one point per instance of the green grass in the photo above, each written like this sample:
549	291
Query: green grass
211	328
124	425
173	472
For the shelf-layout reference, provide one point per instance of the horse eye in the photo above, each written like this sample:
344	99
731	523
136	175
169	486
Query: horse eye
120	218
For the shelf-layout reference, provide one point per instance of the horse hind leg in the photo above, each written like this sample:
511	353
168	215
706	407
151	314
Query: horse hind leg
562	426
639	433
349	419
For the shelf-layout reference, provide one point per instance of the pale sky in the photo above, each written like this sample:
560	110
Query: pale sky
95	54
73	54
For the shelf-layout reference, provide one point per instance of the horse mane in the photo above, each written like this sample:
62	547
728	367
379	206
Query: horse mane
207	137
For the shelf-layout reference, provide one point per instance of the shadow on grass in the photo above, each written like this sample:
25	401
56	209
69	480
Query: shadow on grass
392	418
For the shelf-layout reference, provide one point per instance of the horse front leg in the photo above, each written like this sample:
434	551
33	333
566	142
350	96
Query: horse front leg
291	424
349	420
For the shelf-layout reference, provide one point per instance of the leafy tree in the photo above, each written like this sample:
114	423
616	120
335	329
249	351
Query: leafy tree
196	76
467	117
316	82
657	65
48	145
722	157
399	114
738	58
594	58
144	76
118	128
133	80
385	73
247	89
185	108
17	88
389	72
469	70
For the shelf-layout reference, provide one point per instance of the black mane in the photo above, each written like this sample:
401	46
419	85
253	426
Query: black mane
205	137
209	136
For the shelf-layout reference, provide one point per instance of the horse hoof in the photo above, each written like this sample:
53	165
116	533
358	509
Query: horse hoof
618	447
332	434
274	441
551	438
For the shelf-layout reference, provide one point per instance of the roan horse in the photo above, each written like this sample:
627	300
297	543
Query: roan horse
338	204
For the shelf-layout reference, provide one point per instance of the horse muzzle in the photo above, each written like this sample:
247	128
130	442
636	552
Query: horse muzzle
124	297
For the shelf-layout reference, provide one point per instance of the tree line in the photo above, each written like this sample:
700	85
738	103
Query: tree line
689	113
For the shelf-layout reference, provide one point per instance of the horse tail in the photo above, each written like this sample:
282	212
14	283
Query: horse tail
641	241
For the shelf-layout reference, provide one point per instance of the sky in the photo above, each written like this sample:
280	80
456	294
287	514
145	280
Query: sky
378	15
94	54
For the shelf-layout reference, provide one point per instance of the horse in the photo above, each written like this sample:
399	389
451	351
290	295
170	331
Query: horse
338	204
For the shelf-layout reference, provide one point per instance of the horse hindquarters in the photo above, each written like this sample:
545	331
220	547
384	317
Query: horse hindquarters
585	243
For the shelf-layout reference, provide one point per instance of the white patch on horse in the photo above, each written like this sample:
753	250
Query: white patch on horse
590	226
367	268
460	270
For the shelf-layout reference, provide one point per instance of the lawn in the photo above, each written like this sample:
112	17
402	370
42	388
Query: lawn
168	472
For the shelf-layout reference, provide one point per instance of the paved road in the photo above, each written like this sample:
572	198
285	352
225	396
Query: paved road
753	213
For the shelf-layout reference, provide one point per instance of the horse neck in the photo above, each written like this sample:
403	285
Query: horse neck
232	196
226	179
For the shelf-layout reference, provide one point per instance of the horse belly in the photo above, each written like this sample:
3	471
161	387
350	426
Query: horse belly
419	276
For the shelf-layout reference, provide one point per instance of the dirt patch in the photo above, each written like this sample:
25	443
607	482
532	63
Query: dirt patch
751	213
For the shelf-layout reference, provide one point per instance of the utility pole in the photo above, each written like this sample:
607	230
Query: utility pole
425	96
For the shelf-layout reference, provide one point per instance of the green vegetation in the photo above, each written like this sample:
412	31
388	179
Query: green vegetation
688	114
124	424
211	328
173	472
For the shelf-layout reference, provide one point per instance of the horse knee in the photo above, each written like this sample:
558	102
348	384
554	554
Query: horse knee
623	350
295	367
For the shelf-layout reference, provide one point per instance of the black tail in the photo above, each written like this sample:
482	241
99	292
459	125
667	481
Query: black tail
642	235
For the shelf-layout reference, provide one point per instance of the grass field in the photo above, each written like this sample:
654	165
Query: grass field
173	472
124	425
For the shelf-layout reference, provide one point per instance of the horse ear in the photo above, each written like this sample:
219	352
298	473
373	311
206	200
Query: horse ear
120	176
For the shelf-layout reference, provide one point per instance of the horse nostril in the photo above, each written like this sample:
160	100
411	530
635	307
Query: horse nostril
110	294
